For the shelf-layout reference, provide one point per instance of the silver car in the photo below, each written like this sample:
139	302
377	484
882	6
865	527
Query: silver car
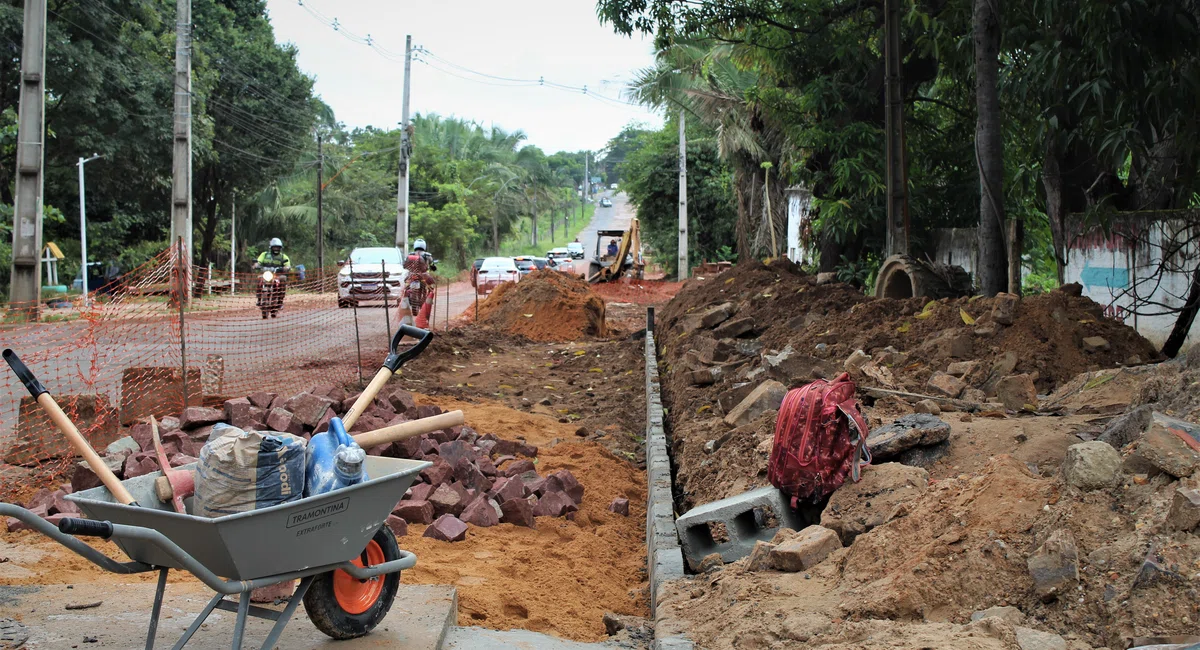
369	274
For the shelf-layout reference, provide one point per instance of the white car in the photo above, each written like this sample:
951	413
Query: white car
563	265
361	278
558	254
494	271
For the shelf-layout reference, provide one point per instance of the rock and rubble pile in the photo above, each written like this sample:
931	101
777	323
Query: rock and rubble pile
1095	545
545	306
482	480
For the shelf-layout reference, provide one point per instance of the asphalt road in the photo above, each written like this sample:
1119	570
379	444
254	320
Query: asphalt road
615	218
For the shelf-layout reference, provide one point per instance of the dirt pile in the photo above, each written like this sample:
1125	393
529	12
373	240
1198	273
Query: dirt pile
545	306
1053	336
961	547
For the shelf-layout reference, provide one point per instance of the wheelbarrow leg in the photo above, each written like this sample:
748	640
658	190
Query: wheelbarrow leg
286	614
239	625
200	618
158	601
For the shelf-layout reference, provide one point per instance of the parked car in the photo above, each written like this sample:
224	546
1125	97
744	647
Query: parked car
576	250
525	264
606	202
362	276
475	269
558	253
495	270
540	262
562	265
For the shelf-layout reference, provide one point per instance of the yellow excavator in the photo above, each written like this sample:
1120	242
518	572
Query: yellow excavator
628	258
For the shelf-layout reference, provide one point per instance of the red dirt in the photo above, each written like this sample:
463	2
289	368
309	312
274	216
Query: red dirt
545	306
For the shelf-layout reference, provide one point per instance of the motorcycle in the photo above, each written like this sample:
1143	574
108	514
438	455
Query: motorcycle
272	286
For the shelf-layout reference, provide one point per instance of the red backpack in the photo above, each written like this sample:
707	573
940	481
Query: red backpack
814	450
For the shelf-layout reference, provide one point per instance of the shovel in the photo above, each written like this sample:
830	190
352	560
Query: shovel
390	365
64	424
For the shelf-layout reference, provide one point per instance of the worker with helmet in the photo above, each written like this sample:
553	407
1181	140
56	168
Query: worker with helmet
274	256
416	302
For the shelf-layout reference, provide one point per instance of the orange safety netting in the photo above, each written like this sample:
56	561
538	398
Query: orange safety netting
115	360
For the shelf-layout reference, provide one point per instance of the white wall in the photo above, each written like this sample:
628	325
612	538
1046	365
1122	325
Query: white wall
1107	266
798	210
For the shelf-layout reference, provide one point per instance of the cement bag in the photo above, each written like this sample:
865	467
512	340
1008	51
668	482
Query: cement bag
248	470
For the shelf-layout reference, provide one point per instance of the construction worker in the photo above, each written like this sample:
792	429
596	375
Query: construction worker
274	256
613	247
415	303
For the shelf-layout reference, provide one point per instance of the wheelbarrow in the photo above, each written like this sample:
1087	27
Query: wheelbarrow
336	544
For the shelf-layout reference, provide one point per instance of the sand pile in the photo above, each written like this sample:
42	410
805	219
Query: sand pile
545	306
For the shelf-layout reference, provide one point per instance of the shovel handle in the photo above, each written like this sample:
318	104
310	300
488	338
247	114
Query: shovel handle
390	366
408	429
67	427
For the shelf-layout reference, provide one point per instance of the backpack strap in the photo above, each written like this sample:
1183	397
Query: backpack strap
850	409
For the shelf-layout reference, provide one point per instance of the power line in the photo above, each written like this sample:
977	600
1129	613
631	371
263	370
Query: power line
483	78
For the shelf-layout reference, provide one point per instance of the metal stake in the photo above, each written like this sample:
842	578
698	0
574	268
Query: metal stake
357	339
182	337
387	316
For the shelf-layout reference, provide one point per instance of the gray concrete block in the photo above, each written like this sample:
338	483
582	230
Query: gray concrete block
674	643
745	518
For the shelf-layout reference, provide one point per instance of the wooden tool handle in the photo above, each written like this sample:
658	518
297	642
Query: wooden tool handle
368	395
84	449
408	429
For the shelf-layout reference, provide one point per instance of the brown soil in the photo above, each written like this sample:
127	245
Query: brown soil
791	309
560	578
545	306
596	386
993	498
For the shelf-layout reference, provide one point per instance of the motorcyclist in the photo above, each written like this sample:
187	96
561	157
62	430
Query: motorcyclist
418	288
274	256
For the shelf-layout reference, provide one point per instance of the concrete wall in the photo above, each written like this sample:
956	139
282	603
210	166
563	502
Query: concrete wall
799	208
1115	271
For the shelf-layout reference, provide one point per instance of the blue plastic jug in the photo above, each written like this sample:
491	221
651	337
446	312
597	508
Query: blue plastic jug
334	461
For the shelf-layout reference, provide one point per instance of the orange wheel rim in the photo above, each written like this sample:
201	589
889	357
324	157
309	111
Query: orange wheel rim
357	596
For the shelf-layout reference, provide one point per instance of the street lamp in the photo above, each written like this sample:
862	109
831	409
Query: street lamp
83	223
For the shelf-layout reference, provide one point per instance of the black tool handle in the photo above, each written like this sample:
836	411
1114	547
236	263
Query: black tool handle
34	386
396	359
85	527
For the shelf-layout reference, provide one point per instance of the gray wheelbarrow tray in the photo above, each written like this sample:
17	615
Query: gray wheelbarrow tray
238	553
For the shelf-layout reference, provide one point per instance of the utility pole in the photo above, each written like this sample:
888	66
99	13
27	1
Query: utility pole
26	278
683	216
405	148
233	244
896	241
181	173
83	224
320	210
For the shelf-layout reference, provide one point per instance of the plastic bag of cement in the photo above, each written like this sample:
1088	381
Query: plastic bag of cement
248	470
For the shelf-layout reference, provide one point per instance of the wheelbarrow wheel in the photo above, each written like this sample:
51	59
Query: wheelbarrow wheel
346	608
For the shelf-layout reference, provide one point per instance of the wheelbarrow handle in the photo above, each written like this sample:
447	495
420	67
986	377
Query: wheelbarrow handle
85	527
396	359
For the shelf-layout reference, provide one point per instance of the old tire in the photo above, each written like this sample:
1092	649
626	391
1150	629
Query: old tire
344	608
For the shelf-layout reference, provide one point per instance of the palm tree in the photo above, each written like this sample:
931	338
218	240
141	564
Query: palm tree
706	82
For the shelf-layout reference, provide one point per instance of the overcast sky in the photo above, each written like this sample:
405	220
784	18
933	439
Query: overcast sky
558	40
